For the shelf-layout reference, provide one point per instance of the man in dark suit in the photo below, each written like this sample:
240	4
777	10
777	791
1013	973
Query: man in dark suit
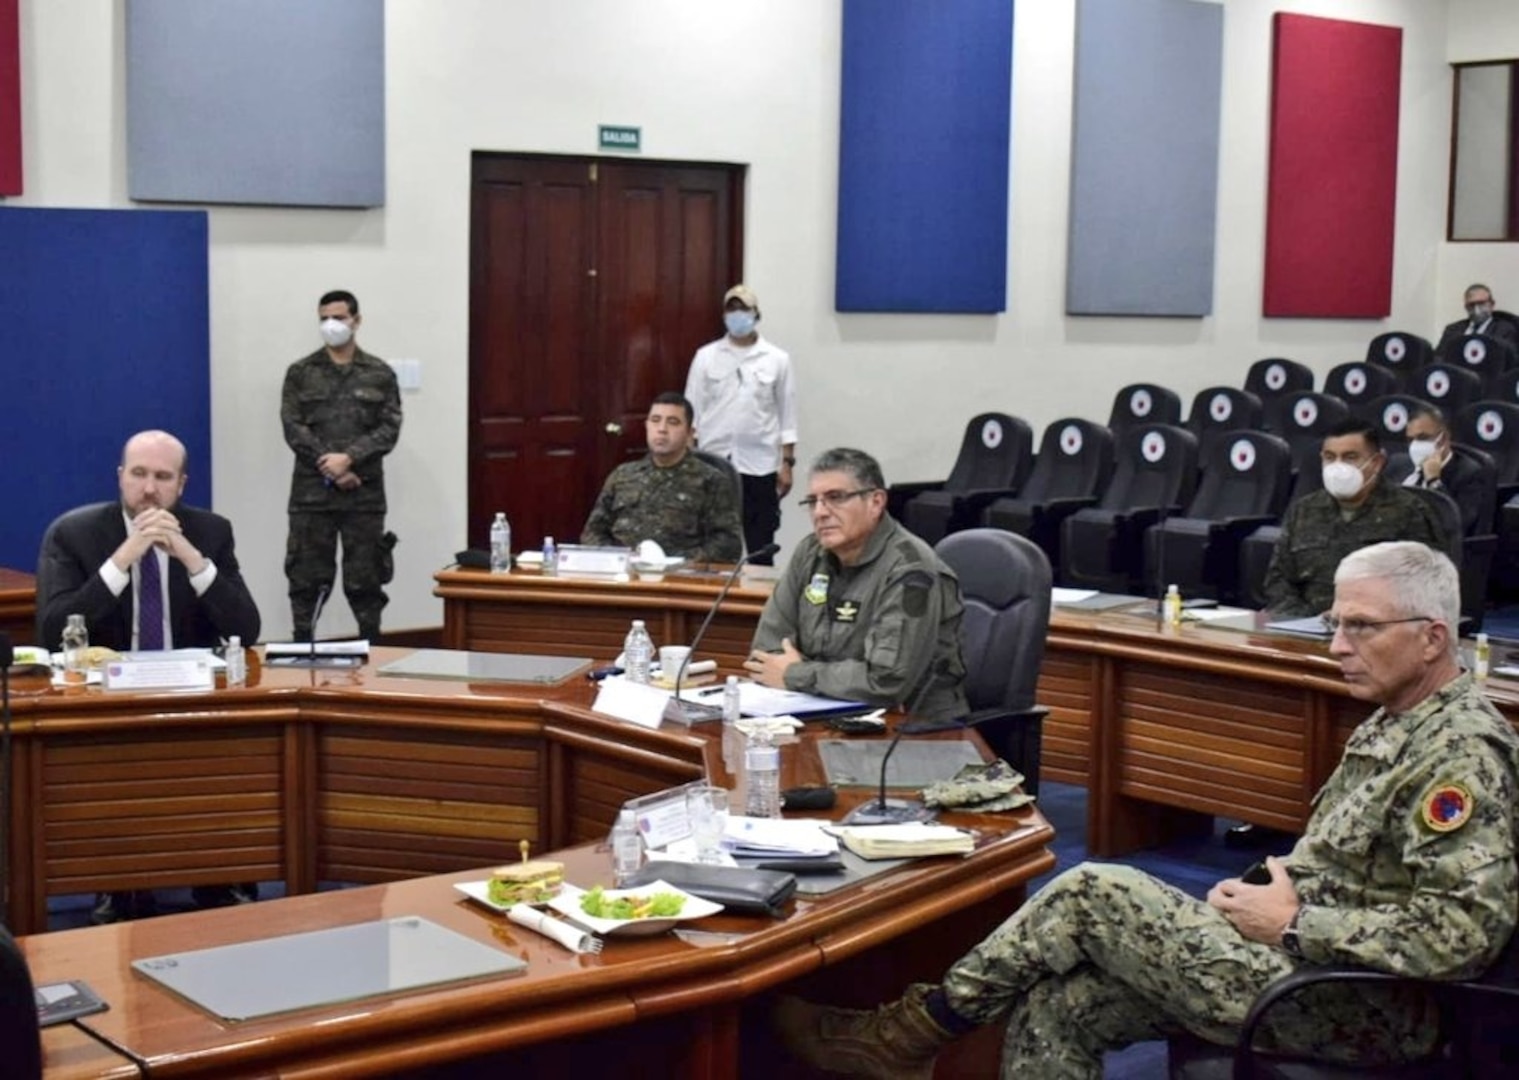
1436	465
1481	318
146	573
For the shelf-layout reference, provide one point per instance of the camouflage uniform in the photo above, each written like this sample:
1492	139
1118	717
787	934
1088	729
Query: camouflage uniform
354	409
1106	955
1316	536
689	509
875	631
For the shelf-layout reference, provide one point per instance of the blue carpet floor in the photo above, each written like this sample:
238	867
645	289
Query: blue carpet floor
1193	866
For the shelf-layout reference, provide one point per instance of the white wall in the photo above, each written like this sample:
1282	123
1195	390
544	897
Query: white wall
753	81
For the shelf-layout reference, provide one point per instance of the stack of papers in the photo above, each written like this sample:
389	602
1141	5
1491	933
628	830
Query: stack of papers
905	841
757	700
804	838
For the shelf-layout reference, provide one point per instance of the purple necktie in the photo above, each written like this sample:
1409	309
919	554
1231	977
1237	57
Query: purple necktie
150	602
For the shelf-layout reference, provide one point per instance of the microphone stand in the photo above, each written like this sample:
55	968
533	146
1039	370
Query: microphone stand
316	613
7	657
696	712
884	811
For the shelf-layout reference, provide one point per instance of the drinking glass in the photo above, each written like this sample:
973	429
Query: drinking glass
707	808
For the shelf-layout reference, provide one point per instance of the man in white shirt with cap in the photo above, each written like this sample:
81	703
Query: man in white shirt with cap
744	393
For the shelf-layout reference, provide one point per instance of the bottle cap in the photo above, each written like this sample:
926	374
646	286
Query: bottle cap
234	642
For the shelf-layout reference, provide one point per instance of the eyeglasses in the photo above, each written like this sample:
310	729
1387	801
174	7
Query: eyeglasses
1360	629
832	499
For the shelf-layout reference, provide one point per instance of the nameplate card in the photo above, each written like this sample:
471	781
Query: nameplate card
600	561
634	702
167	673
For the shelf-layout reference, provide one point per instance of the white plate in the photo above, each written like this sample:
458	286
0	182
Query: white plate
567	903
480	891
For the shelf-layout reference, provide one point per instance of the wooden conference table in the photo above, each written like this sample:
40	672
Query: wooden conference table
415	785
1165	727
18	605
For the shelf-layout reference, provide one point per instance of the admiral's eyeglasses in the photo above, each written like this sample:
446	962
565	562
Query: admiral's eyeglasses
832	499
1361	629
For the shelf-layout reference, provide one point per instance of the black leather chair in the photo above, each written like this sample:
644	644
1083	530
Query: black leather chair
724	466
1222	409
1449	387
1245	479
1390	414
1358	384
1275	378
1477	1038
1492	426
1400	352
1100	547
1303	418
1005	582
20	1037
1074	463
996	454
1143	403
1487	357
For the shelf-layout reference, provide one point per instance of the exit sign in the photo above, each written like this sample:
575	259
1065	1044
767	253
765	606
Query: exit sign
627	139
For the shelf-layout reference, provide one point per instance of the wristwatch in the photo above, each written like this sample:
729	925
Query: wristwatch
788	461
1292	945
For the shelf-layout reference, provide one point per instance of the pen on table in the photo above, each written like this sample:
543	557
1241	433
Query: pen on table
709	691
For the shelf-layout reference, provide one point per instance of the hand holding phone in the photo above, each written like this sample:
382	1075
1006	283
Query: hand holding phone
1258	874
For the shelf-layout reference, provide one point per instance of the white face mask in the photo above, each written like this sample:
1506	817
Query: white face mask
1420	451
1342	479
739	323
336	333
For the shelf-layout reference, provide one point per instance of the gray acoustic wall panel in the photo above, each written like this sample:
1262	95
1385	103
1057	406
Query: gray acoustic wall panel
1144	164
273	102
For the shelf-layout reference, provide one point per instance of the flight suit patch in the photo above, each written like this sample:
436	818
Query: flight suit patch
848	611
817	590
1447	807
916	587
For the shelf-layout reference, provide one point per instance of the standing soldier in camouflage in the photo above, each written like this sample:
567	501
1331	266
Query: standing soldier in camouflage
1356	507
671	496
1407	867
341	409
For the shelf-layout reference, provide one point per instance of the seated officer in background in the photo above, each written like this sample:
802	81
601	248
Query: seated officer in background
146	572
670	496
1438	467
865	611
1407	866
1357	507
1481	318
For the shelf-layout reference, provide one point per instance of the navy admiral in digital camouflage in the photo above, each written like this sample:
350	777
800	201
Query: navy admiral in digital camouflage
865	610
341	410
1407	866
670	496
1357	506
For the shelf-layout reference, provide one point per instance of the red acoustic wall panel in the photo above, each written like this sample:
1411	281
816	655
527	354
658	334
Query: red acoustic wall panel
10	98
1332	191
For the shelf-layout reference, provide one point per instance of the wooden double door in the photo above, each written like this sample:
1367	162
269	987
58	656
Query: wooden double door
592	283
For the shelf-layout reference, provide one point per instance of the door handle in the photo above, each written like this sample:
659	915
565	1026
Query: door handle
614	428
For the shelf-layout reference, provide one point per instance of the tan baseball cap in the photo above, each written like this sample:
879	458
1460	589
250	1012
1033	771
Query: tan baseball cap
744	295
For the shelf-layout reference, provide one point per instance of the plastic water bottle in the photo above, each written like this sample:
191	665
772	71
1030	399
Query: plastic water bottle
550	555
1173	605
237	663
76	643
501	544
638	653
762	775
1482	657
627	847
732	702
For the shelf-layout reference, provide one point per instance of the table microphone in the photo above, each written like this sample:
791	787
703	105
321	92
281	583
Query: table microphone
696	712
884	811
316	613
7	658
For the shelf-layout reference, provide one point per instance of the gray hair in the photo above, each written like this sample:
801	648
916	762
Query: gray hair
1423	581
865	469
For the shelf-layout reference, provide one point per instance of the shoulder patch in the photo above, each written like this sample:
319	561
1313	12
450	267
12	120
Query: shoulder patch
1446	807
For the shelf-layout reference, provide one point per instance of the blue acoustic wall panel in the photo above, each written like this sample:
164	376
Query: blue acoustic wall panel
274	102
106	332
1144	159
923	155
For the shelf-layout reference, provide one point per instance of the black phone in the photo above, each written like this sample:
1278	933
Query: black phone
61	1001
599	673
1258	874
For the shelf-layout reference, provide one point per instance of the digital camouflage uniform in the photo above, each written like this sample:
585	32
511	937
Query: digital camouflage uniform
354	409
875	631
1106	955
689	509
1316	536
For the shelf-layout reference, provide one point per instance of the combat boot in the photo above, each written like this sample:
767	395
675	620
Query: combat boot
895	1042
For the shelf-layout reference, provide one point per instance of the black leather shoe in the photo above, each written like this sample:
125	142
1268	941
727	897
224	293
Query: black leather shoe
116	906
1245	837
215	896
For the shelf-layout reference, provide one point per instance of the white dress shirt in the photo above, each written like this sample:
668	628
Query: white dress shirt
745	402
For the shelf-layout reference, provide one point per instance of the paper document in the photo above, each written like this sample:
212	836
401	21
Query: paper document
1209	614
757	700
777	836
1313	626
1059	595
905	841
359	647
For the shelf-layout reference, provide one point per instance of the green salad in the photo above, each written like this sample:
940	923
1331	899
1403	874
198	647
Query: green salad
660	905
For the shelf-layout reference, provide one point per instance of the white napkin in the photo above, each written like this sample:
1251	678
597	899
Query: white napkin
571	937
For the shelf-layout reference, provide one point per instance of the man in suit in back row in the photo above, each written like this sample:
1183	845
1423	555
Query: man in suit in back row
1481	318
146	573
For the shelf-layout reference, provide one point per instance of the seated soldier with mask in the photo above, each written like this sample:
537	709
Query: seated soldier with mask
670	496
1357	506
865	610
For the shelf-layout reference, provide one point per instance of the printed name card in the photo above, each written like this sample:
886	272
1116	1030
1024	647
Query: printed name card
168	673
